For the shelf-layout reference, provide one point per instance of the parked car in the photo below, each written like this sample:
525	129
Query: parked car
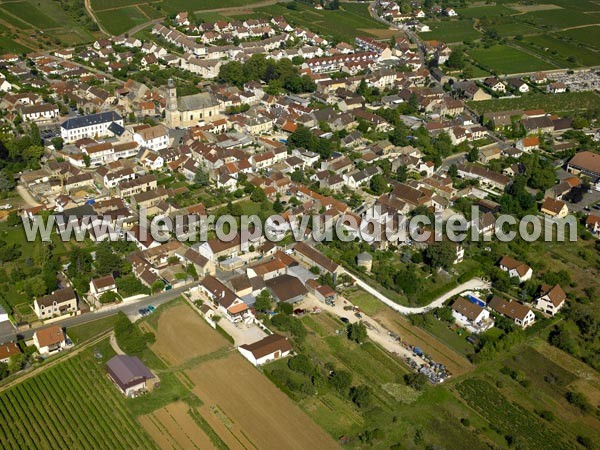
344	319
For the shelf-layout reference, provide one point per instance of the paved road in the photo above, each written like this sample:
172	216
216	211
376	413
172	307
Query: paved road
129	308
470	285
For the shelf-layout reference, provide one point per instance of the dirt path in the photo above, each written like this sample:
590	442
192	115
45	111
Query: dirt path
115	345
26	196
88	8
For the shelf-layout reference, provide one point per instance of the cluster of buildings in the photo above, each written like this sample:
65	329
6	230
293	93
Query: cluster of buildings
476	315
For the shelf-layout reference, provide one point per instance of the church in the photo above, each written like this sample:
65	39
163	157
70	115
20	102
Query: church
188	111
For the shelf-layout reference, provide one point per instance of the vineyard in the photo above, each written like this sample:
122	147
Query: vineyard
71	405
508	418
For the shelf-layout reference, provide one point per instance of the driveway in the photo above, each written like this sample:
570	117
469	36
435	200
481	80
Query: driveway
471	285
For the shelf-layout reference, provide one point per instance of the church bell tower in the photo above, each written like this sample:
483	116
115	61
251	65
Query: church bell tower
172	117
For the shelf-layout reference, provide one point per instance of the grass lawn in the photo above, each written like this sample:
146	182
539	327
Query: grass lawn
560	51
451	31
8	45
24	10
504	59
13	20
117	21
484	11
451	338
365	301
559	18
588	35
83	332
556	103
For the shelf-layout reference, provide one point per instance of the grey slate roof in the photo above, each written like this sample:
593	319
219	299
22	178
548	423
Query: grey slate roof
92	119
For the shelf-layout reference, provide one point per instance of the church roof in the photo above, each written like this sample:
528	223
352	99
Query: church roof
196	101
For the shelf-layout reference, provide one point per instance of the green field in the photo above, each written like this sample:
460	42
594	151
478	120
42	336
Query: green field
172	6
504	59
351	20
6	17
8	45
23	10
451	31
71	405
118	21
559	18
484	11
587	35
560	51
556	103
508	417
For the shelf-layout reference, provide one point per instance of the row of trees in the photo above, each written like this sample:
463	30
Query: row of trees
278	75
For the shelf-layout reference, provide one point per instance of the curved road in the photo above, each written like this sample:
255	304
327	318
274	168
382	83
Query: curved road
474	284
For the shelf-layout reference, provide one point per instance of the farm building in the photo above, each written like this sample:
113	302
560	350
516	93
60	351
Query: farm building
130	375
268	349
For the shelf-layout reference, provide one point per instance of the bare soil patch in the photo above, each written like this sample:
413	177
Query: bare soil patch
238	394
181	335
441	353
532	8
172	427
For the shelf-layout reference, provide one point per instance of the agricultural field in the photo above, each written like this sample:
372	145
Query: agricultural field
70	405
561	52
587	35
556	103
172	6
558	18
351	20
117	21
451	31
503	59
484	11
9	45
48	17
236	413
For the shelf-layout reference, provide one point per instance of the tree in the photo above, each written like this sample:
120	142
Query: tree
57	143
264	301
7	182
157	286
441	254
416	381
357	332
402	174
341	380
201	177
278	206
107	260
456	60
378	184
301	363
473	154
87	160
361	395
453	171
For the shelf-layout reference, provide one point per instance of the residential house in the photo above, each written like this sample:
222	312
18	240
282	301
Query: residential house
99	286
50	340
521	314
555	209
551	299
471	315
60	302
266	350
516	268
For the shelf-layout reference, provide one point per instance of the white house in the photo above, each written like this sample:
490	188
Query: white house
59	303
268	349
50	340
155	138
551	299
39	113
516	268
471	315
91	126
99	286
521	314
